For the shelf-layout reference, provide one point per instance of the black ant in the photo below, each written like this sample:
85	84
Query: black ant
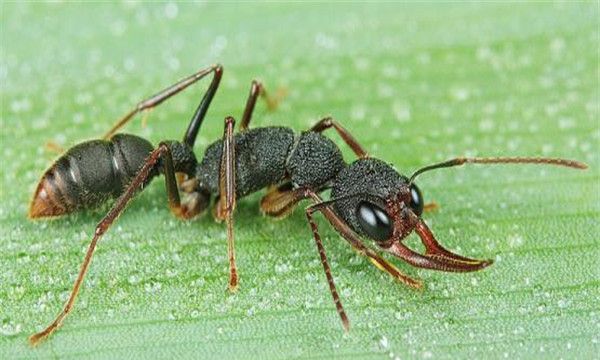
368	197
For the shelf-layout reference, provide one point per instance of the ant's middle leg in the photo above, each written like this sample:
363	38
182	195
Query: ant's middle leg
280	200
329	122
256	89
227	194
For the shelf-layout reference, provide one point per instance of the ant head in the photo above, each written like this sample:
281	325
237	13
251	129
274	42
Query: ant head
376	201
379	203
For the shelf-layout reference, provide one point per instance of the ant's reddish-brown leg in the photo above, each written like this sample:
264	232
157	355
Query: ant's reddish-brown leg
174	89
348	234
227	194
146	171
332	288
197	202
329	122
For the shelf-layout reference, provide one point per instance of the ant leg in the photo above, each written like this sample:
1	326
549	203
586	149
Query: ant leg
145	172
197	203
332	288
281	200
431	206
227	193
256	89
192	131
329	122
174	89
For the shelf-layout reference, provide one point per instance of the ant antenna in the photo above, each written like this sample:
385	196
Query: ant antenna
499	160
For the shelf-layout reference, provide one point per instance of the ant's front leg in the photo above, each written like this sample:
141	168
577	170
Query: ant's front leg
334	293
348	234
227	194
281	200
431	206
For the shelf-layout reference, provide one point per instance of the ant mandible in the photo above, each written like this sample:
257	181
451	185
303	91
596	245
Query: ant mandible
368	197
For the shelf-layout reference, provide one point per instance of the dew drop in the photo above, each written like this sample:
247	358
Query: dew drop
541	308
563	303
133	279
515	240
9	328
171	10
460	93
152	287
384	343
401	111
283	268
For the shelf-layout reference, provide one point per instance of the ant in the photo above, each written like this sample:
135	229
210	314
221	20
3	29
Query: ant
369	198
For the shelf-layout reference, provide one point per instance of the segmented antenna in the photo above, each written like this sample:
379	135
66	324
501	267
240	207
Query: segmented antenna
500	160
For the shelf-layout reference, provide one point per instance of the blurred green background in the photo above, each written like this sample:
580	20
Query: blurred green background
415	83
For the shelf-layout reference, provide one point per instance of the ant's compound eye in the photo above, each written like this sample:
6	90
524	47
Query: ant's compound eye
416	203
374	221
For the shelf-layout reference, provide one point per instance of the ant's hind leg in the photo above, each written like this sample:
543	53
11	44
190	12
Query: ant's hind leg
174	89
329	122
227	194
146	171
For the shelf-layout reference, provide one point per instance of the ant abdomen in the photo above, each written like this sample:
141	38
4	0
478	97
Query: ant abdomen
88	174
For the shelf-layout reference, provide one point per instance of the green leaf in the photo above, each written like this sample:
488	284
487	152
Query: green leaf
415	83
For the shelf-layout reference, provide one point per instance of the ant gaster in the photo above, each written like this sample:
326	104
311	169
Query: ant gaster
368	197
